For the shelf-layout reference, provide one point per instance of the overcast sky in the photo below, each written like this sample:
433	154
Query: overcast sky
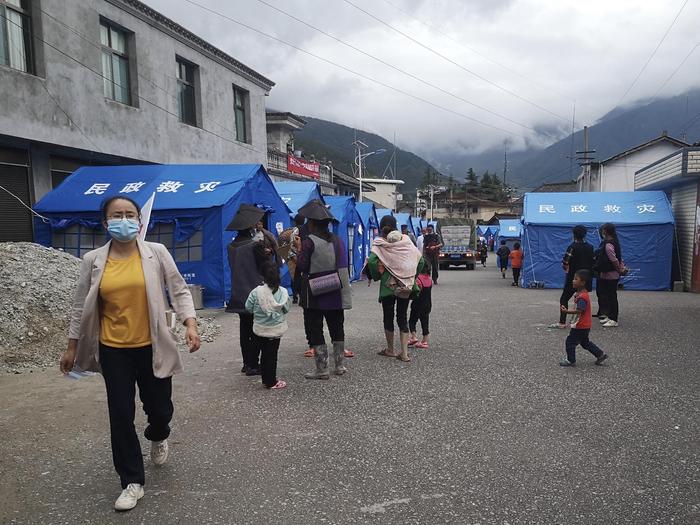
547	54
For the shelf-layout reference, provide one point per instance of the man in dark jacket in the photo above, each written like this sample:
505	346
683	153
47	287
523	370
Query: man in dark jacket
579	256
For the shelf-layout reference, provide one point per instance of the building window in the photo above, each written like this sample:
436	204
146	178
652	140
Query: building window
115	63
240	101
187	110
78	240
16	35
188	250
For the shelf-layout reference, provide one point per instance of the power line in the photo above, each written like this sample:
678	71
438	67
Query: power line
339	66
668	30
147	79
373	57
448	59
474	50
70	57
678	67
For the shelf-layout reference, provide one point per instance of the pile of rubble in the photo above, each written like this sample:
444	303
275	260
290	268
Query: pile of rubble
37	285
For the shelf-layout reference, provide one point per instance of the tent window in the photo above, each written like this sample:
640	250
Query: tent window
190	249
78	240
163	234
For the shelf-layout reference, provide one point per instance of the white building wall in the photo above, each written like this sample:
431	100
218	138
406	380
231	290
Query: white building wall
150	129
618	175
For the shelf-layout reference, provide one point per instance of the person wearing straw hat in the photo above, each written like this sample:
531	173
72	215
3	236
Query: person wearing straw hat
325	288
246	257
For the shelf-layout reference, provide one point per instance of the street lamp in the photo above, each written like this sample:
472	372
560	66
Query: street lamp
360	157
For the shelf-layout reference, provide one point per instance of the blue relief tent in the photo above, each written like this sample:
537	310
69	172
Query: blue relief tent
368	216
481	230
296	194
645	227
404	219
381	212
192	207
349	228
416	225
509	230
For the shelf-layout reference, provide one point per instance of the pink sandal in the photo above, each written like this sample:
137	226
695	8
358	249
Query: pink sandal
310	353
279	385
422	344
412	342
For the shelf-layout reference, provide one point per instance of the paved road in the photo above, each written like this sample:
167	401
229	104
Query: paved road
482	428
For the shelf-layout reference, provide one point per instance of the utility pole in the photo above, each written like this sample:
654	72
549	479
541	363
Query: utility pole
359	145
432	193
585	158
505	161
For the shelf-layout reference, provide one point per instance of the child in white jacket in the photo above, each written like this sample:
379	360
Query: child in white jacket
269	303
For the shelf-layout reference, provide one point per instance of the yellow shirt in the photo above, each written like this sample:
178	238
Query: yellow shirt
125	321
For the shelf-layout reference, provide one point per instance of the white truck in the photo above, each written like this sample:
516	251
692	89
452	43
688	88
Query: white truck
457	250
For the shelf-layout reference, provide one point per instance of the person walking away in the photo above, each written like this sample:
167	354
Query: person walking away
516	263
610	268
483	253
246	256
420	308
502	254
269	304
579	255
118	327
431	249
581	327
395	262
325	290
420	240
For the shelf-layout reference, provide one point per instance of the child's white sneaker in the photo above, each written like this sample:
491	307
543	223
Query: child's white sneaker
610	323
129	497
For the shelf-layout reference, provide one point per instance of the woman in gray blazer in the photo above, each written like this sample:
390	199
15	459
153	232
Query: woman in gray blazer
119	328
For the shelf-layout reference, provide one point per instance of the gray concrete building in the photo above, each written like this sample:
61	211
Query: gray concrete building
113	82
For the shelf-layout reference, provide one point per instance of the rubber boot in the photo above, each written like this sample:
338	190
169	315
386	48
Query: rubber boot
339	355
321	371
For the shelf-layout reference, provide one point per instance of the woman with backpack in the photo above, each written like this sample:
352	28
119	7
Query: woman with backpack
610	268
395	262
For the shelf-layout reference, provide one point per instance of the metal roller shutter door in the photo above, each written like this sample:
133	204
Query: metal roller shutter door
684	200
15	219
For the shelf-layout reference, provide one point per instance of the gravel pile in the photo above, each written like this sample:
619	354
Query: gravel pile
37	285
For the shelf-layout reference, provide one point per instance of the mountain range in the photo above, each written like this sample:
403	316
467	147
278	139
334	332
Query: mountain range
620	129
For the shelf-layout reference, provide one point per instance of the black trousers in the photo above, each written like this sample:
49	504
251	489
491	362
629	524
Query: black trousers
435	265
249	345
388	304
419	313
296	283
516	275
313	324
269	348
566	294
123	369
607	298
579	336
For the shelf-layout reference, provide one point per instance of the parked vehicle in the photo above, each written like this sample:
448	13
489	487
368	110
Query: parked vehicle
457	249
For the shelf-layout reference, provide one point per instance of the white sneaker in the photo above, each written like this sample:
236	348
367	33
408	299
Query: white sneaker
129	497
603	319
159	452
610	323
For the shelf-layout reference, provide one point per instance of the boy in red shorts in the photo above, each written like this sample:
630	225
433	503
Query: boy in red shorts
581	328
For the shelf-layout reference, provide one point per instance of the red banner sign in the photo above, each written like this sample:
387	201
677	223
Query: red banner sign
303	167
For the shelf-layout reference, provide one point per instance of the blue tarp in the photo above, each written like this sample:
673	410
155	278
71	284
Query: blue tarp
381	212
349	228
404	219
645	227
416	225
191	198
296	194
370	224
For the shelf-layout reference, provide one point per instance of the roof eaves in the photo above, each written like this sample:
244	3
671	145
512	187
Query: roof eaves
675	142
167	25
